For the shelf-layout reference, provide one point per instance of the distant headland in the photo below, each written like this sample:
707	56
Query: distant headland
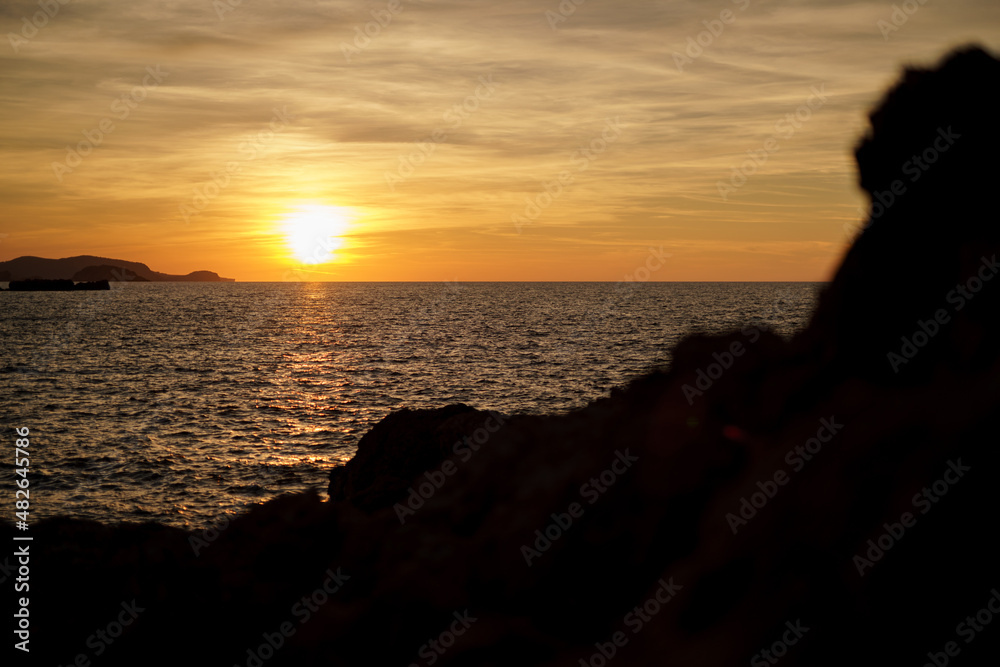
90	268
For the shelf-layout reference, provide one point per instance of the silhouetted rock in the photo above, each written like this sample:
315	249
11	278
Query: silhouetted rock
803	501
67	268
43	285
202	277
403	446
928	162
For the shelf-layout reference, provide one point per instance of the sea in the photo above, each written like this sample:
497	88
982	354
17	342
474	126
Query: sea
183	402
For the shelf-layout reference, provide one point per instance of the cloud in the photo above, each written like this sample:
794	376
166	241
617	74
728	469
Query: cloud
355	119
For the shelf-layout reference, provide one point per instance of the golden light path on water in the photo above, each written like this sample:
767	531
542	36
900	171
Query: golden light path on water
185	402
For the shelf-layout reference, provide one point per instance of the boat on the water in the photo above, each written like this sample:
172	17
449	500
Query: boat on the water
44	285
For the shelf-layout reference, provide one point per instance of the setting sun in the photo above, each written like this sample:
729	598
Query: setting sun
378	328
313	232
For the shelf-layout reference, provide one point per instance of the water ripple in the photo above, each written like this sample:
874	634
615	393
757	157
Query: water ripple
180	402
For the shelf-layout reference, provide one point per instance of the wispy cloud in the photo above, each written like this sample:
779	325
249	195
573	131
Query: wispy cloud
353	119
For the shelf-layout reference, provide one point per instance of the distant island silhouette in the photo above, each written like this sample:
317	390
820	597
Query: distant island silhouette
827	500
88	268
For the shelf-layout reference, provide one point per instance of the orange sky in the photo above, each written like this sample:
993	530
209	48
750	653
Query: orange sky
459	141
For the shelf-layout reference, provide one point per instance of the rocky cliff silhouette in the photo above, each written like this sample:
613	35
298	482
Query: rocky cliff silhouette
89	268
812	505
928	163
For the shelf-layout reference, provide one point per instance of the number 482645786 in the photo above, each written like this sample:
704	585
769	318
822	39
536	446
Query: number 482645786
21	465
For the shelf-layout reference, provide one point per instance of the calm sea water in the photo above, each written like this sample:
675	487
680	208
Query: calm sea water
180	402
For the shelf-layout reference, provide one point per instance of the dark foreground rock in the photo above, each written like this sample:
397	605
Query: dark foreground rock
818	502
406	446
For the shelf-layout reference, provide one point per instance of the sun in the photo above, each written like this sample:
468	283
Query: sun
313	232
